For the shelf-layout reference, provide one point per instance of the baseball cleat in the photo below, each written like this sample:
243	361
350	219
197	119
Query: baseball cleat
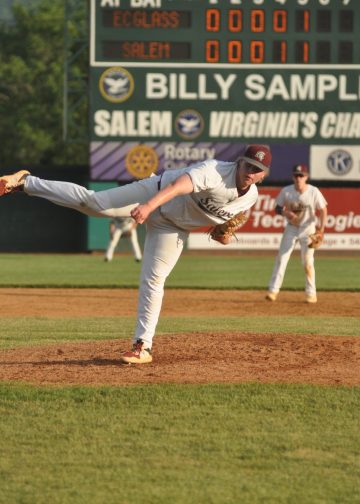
13	183
311	299
271	296
137	355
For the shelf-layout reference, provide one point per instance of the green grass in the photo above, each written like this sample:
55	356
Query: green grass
179	445
167	444
192	271
25	331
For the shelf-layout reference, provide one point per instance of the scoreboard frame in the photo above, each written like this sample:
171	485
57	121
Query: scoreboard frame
258	29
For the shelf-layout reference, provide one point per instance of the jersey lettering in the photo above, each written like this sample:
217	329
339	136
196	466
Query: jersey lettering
210	207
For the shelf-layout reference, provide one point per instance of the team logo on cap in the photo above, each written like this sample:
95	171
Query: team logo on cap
260	155
116	84
339	162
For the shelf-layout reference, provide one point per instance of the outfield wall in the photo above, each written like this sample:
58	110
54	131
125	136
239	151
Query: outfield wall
34	225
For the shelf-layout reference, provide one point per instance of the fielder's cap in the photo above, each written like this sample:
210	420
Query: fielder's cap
259	156
300	169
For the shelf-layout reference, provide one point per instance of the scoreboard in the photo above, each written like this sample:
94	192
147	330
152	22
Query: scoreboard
223	32
176	81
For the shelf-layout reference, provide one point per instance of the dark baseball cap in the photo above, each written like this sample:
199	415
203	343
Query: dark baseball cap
300	169
259	156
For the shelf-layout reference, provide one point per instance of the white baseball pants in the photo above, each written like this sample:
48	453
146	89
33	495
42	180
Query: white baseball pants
163	243
291	235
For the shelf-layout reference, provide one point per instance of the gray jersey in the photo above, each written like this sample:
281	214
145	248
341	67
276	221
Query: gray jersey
215	198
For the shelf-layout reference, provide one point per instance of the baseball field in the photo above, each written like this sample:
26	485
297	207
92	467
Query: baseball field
246	401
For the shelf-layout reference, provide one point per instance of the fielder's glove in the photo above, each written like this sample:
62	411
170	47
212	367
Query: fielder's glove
316	239
223	233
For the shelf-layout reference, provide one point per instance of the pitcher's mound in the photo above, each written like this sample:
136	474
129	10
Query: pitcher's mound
192	358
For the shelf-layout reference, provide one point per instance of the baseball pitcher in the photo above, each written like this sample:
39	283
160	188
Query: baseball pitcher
209	194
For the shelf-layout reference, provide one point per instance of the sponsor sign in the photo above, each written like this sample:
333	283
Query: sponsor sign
334	162
317	107
263	230
110	160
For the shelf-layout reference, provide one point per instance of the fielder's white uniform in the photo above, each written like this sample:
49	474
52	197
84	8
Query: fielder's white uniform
214	200
311	200
123	225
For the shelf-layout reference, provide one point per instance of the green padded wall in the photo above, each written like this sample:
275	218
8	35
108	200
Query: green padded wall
98	229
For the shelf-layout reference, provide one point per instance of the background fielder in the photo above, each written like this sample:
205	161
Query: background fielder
123	226
298	203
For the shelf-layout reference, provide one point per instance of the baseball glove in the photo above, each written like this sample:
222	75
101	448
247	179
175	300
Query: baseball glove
316	239
224	232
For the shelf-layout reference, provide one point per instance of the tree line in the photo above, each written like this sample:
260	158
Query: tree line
32	88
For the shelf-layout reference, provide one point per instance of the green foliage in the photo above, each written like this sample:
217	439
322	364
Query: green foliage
31	89
179	444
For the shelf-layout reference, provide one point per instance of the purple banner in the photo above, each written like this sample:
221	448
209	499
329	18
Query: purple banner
128	161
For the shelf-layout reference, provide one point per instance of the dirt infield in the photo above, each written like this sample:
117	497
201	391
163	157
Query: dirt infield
185	358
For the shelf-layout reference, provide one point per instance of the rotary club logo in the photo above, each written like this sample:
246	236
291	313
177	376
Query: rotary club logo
141	161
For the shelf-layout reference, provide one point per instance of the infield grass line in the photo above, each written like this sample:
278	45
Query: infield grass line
29	331
192	271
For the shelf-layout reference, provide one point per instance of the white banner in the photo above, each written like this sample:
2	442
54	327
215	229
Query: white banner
334	162
270	241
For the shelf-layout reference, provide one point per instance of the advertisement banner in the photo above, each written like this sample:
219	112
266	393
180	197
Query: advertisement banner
263	230
334	162
238	105
128	160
